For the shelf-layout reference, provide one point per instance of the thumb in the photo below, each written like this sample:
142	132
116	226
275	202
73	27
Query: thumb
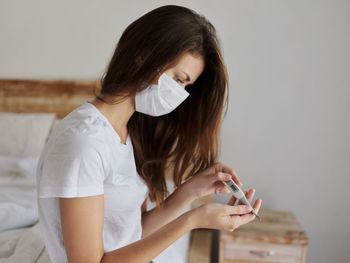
237	209
220	176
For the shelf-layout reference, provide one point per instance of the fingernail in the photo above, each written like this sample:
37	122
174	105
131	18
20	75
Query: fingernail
228	177
248	209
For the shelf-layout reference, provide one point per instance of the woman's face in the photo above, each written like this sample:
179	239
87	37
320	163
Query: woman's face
187	70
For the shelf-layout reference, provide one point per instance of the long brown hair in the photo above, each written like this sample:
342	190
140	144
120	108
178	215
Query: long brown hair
186	140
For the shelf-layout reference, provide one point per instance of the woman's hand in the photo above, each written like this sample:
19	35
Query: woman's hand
209	181
225	217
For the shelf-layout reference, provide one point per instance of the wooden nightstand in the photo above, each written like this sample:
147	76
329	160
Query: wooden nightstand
278	238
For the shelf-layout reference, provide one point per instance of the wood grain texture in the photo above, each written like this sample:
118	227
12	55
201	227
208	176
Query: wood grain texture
277	227
200	246
261	252
279	232
57	96
278	238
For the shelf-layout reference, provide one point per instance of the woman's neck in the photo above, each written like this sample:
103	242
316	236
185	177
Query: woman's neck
118	115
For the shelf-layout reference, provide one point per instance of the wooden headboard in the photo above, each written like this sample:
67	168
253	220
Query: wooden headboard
57	96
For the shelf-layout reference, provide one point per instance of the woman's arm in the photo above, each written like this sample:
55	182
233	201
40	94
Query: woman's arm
202	184
149	247
171	208
82	226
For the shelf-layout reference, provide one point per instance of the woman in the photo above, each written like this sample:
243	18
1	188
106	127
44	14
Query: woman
160	108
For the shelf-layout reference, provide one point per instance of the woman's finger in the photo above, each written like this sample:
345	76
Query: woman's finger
226	169
221	172
244	219
232	200
219	176
209	171
249	195
236	210
235	199
245	193
221	188
257	205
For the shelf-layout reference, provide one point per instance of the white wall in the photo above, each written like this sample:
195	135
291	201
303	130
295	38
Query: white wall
287	132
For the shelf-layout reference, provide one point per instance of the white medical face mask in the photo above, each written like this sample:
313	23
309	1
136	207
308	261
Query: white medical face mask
160	99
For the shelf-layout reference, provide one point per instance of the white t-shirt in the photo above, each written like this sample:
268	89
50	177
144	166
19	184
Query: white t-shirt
84	157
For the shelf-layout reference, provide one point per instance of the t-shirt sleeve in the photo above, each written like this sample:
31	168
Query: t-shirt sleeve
73	167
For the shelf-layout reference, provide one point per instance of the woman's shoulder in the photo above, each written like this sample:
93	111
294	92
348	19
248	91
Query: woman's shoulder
80	128
82	120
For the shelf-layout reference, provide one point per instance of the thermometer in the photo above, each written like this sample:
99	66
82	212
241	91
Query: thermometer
238	193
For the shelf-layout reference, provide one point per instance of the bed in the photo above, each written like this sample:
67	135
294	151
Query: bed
29	112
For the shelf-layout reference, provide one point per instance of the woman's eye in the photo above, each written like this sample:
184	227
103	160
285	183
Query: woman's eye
179	80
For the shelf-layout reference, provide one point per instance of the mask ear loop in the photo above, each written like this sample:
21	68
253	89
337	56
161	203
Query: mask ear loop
158	74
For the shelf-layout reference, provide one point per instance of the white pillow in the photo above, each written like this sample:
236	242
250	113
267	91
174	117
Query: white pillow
18	166
24	134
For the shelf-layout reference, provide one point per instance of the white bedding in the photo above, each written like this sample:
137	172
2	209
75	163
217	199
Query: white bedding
18	206
20	237
22	139
23	245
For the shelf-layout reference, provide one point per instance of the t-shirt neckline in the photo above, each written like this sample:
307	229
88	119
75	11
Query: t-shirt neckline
128	140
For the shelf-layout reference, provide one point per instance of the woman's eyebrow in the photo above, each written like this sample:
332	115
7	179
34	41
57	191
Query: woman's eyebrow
188	77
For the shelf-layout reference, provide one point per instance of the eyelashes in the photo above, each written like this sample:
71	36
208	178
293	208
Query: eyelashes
179	80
